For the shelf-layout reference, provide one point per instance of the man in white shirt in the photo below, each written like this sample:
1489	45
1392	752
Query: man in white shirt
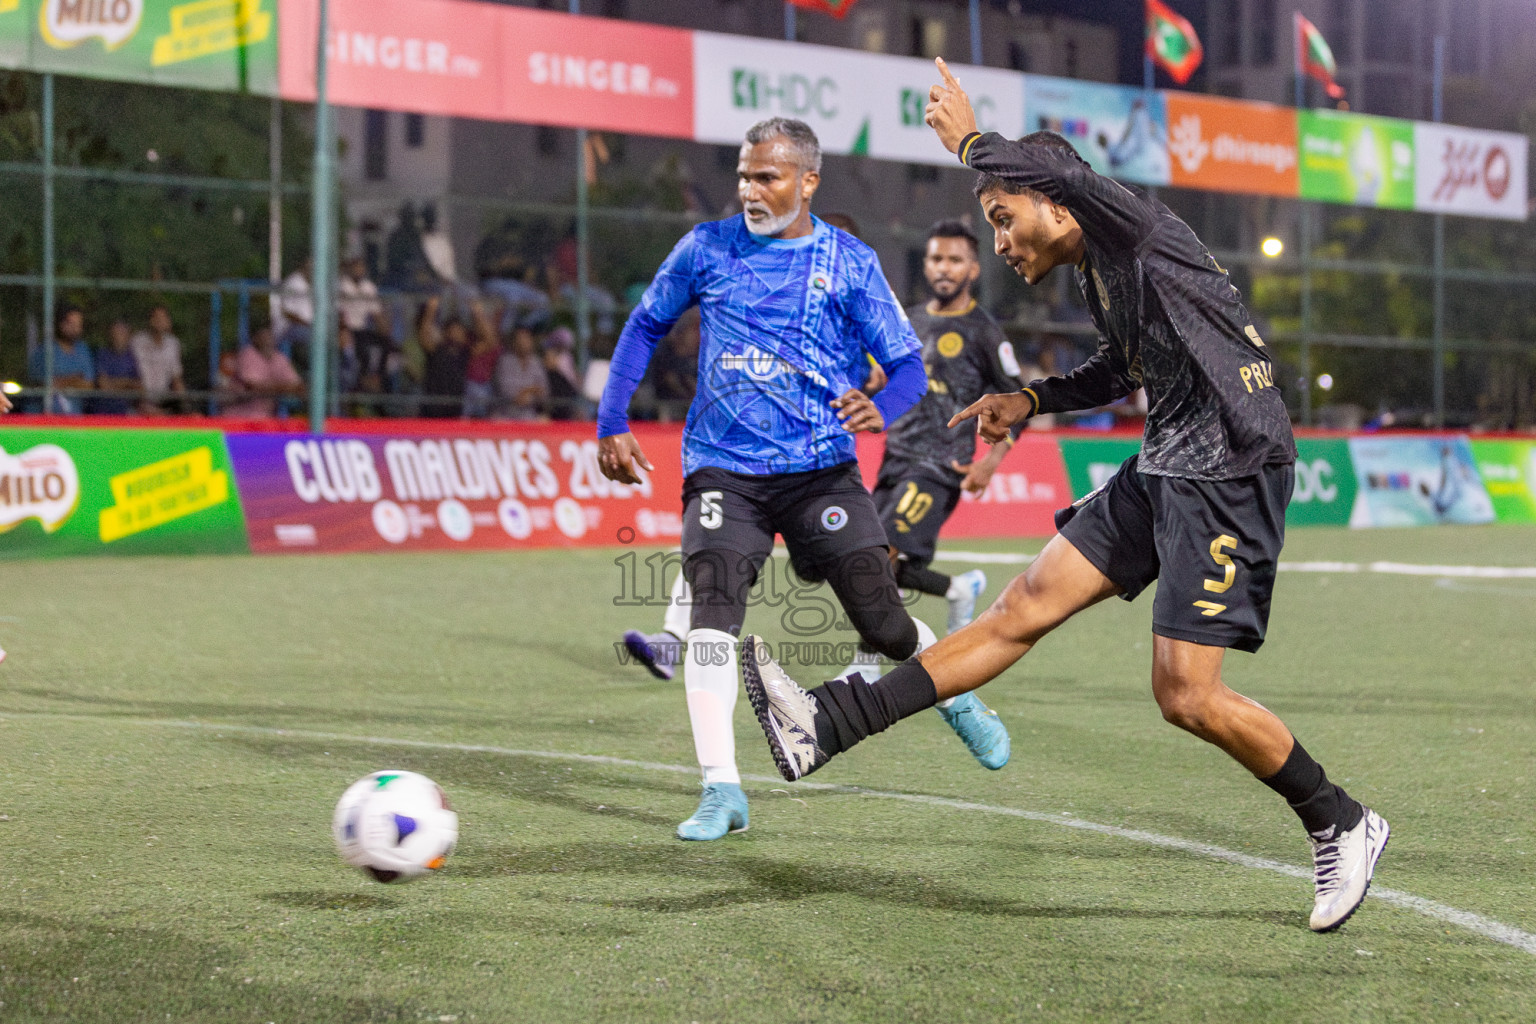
158	353
357	298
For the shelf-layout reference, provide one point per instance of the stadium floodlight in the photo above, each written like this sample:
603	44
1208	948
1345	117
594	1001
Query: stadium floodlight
1272	247
1325	381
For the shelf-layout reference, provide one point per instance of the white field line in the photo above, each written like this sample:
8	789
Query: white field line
1486	927
1482	572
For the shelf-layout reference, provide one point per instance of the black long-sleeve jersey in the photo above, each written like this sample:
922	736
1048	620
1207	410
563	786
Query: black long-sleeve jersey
1169	320
967	355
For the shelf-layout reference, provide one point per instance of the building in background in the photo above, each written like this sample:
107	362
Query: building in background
468	171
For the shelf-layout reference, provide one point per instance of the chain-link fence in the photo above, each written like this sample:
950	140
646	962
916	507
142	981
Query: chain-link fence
173	199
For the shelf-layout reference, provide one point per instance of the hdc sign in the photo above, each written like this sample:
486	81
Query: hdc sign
1325	483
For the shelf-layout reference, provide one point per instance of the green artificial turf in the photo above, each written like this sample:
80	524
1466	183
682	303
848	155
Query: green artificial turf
165	851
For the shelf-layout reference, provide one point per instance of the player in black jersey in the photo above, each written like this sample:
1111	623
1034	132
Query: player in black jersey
927	462
1201	509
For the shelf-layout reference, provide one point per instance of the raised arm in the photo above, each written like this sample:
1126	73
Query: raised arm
1107	211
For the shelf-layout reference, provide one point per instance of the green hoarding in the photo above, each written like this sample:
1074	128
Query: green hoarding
1355	159
1325	483
1325	475
229	45
1091	461
1508	469
78	491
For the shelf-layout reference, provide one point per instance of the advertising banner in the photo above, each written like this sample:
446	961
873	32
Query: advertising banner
229	45
859	103
527	487
471	59
1091	462
72	491
1417	481
1121	131
1461	170
1356	159
1227	146
1325	483
1021	500
1508	469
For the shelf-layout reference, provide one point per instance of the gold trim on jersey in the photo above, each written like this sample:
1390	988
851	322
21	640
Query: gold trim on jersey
928	308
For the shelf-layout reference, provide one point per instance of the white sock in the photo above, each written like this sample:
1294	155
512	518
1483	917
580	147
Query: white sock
926	638
711	690
679	608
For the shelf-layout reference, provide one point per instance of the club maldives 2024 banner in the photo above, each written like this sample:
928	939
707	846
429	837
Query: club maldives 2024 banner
90	490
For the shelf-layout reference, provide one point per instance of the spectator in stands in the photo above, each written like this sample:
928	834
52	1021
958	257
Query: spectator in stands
565	398
510	282
73	366
348	366
296	312
117	371
562	274
480	375
357	299
446	348
158	354
677	367
521	379
258	376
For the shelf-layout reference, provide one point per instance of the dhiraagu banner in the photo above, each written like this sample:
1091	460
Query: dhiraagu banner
228	45
1356	159
1508	469
79	491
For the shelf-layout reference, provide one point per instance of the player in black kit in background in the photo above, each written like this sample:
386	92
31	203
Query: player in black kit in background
1201	509
927	462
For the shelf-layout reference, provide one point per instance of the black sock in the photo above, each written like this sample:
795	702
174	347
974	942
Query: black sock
921	578
1322	806
852	709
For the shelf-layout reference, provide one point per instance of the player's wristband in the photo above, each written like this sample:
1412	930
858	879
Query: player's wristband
965	147
1034	401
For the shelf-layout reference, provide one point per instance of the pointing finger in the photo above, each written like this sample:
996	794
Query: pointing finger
969	412
949	79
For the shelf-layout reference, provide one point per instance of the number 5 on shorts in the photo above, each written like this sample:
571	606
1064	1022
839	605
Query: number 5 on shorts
1229	574
711	515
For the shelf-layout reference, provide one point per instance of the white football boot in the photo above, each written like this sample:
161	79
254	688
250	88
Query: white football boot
1343	866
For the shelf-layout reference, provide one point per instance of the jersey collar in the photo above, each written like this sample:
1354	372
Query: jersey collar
819	231
959	312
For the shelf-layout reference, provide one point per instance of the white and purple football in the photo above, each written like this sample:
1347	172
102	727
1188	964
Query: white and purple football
395	826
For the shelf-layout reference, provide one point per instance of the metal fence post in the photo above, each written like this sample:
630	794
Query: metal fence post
50	327
324	258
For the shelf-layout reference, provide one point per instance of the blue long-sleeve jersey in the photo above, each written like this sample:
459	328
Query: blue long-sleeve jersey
785	327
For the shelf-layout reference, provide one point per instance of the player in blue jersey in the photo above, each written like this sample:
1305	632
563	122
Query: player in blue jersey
791	310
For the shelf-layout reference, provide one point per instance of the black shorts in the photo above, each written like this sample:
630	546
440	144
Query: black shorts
915	500
1212	545
822	514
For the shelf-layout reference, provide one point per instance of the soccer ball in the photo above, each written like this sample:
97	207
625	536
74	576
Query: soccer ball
395	826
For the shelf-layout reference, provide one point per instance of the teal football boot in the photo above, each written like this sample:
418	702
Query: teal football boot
722	810
978	726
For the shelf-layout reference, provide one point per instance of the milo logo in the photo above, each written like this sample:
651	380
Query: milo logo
40	483
66	23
